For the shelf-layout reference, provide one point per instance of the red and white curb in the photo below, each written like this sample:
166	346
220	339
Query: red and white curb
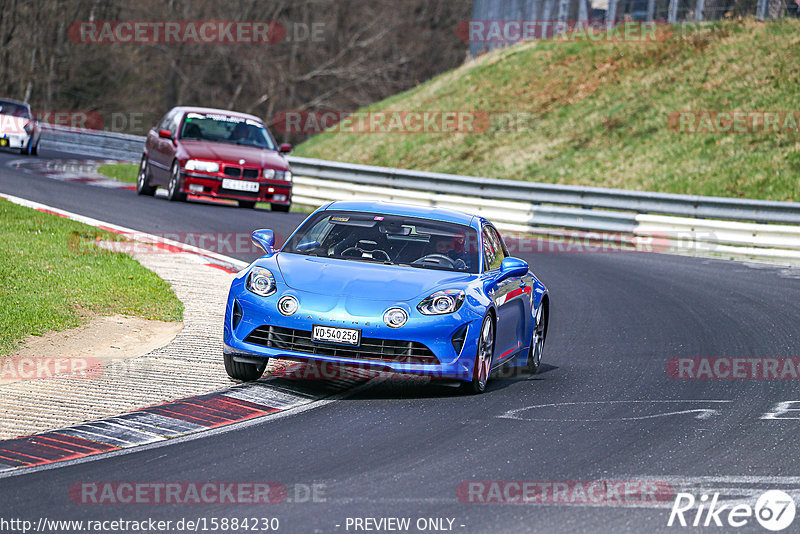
175	419
290	389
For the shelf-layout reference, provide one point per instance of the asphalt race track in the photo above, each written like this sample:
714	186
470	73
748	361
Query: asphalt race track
603	409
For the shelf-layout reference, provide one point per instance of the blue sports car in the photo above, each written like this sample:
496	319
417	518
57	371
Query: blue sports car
409	289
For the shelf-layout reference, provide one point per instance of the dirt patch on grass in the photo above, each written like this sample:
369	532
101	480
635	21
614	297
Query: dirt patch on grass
100	342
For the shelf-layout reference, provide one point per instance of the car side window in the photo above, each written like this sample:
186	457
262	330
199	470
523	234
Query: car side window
164	124
175	123
493	251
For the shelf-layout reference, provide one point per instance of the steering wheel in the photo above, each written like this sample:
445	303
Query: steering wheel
378	252
352	252
438	259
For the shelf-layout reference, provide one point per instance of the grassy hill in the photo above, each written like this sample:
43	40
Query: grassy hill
597	113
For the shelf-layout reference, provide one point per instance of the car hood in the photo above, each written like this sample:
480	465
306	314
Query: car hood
362	280
257	157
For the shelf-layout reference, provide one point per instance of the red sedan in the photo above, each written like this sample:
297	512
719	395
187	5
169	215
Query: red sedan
215	153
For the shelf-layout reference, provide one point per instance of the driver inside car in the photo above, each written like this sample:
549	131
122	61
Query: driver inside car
453	248
240	131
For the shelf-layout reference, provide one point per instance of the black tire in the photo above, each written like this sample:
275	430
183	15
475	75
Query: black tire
248	204
282	208
143	186
483	358
537	343
174	189
246	372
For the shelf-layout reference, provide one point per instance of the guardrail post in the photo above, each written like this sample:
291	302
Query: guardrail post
583	11
698	10
563	14
761	10
611	13
672	15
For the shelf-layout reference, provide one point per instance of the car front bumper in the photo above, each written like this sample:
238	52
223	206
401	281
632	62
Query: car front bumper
14	140
434	332
273	191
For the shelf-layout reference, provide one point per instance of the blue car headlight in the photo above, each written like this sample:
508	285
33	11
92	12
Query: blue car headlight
442	302
261	282
395	317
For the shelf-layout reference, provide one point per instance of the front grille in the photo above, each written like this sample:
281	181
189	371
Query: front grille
386	350
234	172
250	173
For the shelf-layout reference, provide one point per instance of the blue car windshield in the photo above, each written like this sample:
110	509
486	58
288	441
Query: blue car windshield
387	239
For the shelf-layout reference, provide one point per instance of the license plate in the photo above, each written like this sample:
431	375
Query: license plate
329	334
240	185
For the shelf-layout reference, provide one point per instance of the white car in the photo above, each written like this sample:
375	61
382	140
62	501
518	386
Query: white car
18	127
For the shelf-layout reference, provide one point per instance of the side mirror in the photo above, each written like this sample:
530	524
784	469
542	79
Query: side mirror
165	134
513	268
263	239
285	148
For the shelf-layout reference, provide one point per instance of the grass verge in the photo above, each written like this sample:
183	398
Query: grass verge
52	277
598	114
124	172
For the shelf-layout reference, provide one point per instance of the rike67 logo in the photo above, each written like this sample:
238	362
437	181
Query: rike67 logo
774	510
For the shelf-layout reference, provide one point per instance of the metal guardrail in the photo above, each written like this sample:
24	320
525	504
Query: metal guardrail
587	198
93	142
704	225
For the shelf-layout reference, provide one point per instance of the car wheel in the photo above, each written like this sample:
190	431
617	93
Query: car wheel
283	208
249	204
537	343
483	358
174	189
246	372
143	186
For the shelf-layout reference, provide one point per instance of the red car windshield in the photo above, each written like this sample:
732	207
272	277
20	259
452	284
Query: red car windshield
219	128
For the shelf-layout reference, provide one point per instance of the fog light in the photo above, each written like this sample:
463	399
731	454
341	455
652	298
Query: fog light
279	198
195	188
287	305
395	317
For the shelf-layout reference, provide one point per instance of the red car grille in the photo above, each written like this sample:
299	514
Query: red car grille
239	172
